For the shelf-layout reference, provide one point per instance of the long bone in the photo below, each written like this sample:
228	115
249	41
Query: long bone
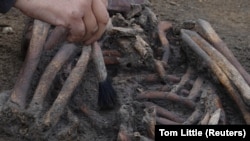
160	111
231	72
57	36
166	95
163	26
53	115
39	35
184	79
64	53
205	29
220	75
195	91
165	121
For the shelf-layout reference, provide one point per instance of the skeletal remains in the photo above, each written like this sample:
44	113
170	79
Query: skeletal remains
140	42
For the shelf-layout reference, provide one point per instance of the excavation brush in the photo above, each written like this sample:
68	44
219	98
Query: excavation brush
107	94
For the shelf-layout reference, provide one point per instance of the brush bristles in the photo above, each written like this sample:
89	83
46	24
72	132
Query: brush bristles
107	95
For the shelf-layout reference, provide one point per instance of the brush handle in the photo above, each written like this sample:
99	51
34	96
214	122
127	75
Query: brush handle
99	62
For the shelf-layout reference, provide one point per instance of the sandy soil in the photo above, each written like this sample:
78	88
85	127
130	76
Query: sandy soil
229	18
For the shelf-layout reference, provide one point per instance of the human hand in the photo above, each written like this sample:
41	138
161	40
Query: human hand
85	20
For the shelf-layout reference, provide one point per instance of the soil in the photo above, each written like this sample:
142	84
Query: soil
228	17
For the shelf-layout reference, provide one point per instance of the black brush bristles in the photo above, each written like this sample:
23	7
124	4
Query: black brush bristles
107	97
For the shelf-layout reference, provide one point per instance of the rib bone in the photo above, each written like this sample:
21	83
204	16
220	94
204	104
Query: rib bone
205	29
39	35
219	74
49	74
52	116
232	73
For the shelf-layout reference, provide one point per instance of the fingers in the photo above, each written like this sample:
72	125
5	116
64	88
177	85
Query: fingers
85	20
90	23
105	2
76	31
100	11
102	18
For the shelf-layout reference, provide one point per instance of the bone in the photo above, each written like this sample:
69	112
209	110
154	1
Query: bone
218	105
20	90
184	79
57	36
195	91
215	117
194	117
53	115
113	53
150	78
63	55
172	78
206	30
219	74
205	119
163	26
165	113
166	95
27	37
160	68
124	31
143	48
232	73
150	120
